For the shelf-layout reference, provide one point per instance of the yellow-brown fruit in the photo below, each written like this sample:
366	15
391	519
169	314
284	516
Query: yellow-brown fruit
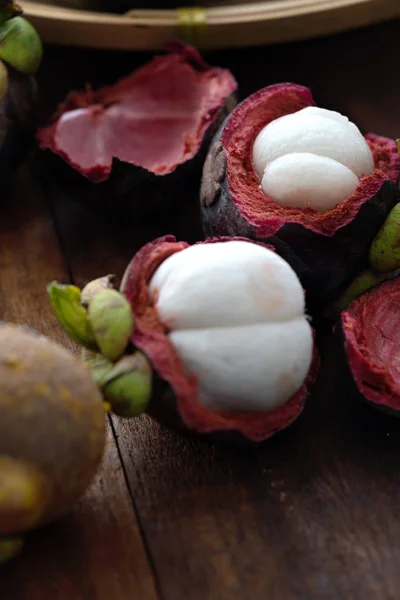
52	429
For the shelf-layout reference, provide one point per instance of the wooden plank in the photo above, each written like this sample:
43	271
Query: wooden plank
97	551
314	514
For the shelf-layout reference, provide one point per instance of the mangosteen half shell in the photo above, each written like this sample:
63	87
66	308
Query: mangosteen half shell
141	143
326	249
372	344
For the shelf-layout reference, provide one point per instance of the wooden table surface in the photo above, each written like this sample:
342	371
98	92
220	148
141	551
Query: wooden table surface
312	515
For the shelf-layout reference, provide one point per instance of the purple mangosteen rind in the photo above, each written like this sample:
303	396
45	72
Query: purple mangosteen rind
18	116
135	188
371	343
174	401
325	264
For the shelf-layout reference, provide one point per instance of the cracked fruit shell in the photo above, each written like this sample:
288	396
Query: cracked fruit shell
141	143
285	172
372	343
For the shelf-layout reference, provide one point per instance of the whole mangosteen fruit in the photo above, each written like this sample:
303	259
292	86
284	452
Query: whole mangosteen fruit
372	343
20	57
52	433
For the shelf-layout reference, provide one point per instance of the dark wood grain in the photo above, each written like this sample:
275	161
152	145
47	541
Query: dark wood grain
97	551
313	515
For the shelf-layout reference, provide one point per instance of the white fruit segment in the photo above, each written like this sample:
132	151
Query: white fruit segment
307	180
316	131
235	313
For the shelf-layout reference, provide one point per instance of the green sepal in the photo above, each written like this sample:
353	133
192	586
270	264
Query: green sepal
20	45
384	254
111	318
130	385
72	316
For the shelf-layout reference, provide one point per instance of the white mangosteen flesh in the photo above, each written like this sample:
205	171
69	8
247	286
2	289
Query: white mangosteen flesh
235	313
303	180
311	131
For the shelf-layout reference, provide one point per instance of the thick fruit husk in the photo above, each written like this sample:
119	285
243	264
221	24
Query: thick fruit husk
326	249
371	333
142	142
18	114
52	420
174	401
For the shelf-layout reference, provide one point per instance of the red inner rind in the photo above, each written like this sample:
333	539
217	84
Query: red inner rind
372	341
155	118
243	126
150	336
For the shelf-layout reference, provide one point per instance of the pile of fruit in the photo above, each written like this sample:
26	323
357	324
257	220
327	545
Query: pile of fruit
301	223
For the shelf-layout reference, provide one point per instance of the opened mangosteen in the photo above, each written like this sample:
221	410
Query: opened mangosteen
20	57
367	315
210	338
142	142
371	333
304	179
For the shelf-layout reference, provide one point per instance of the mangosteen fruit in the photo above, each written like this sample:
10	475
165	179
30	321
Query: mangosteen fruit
20	57
52	432
372	344
219	342
283	171
141	143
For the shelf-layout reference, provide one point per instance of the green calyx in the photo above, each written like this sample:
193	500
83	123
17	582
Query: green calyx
20	45
384	255
72	316
111	318
384	262
126	385
100	319
101	322
361	284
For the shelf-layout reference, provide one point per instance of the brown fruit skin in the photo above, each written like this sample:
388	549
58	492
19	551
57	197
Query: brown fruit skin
325	265
51	416
17	121
133	190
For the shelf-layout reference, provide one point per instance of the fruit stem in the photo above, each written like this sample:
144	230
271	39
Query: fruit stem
366	280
